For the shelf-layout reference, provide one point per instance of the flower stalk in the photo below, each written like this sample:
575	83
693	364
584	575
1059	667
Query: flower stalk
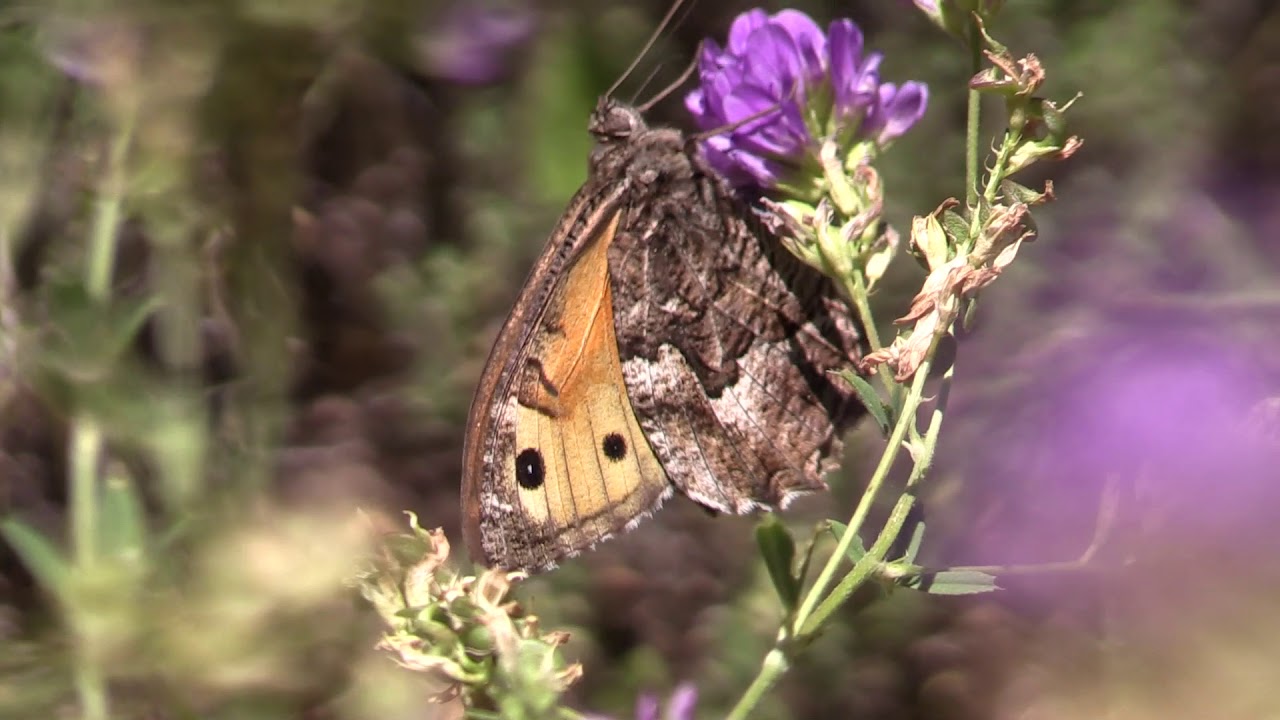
807	117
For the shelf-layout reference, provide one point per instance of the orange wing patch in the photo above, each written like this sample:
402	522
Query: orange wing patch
582	464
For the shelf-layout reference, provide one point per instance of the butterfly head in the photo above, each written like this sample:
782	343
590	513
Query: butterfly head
614	122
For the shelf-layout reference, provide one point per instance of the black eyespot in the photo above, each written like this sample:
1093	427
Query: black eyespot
530	472
614	446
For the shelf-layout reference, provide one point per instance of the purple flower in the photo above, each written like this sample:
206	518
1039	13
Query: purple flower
780	87
679	707
473	41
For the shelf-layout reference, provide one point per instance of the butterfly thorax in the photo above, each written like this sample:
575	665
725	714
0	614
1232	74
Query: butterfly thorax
627	147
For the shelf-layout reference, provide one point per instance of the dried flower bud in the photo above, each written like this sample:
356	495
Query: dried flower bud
929	242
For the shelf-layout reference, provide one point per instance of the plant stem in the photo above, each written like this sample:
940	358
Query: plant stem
86	448
876	554
774	666
894	446
816	609
972	122
777	662
855	286
87	434
106	221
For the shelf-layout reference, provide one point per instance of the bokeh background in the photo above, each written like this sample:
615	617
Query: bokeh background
328	208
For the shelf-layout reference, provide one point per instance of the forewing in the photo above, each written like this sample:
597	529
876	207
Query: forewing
566	464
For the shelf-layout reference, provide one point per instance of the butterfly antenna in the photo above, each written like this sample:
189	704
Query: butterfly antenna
734	126
640	91
653	39
750	118
684	78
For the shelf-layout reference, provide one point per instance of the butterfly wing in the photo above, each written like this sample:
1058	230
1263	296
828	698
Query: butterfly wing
555	459
661	334
728	343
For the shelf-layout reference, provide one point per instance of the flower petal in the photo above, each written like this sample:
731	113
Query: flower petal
647	707
755	94
680	707
746	101
752	169
696	103
808	39
845	43
898	110
743	26
774	62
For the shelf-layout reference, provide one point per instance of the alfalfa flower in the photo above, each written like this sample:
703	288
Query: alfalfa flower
462	630
781	88
680	706
800	114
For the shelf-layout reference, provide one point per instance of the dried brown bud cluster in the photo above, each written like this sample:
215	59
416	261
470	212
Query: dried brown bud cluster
954	274
965	254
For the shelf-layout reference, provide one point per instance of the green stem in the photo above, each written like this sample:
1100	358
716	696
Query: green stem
106	222
91	687
814	610
870	563
999	167
776	662
887	458
862	570
973	122
775	665
87	433
86	449
855	286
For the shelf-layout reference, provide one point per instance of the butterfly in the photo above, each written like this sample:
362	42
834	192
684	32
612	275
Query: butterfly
663	342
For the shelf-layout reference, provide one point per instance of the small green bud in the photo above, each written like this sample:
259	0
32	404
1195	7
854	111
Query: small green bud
478	640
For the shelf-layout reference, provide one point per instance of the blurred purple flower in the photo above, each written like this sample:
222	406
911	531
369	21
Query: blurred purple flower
679	707
784	87
473	42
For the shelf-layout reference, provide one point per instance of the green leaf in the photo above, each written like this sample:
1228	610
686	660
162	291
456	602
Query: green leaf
803	573
1021	193
955	227
40	556
867	394
122	525
89	337
913	546
779	550
856	550
953	582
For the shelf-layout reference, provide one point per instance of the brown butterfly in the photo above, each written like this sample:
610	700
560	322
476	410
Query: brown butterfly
663	341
